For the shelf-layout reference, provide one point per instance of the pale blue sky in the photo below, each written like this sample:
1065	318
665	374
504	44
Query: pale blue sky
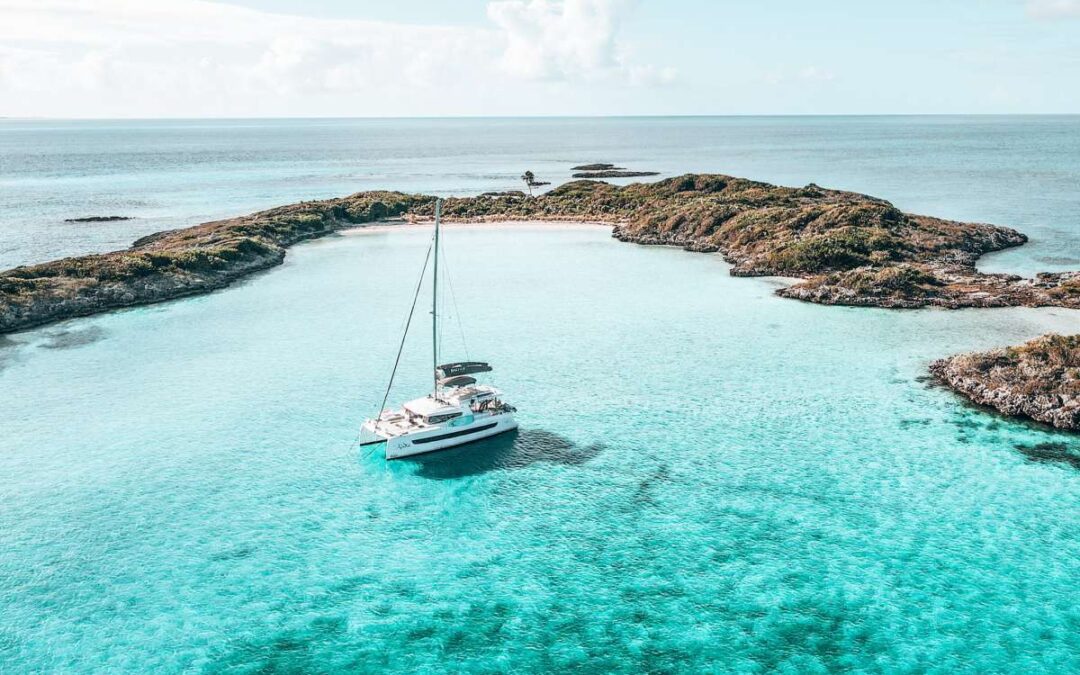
517	57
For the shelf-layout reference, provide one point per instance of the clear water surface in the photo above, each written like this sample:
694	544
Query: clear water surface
707	476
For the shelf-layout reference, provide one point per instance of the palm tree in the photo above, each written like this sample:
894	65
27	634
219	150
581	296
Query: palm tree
529	177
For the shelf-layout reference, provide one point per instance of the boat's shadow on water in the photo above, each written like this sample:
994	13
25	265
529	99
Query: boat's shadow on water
517	449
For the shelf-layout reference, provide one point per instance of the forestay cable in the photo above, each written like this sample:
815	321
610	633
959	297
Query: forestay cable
405	334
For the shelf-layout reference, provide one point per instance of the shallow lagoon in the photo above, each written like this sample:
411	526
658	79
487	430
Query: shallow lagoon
706	475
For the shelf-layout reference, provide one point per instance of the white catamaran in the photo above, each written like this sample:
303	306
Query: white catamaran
457	411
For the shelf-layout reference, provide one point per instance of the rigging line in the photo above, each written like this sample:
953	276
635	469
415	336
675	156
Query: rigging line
441	305
453	298
389	386
401	348
404	335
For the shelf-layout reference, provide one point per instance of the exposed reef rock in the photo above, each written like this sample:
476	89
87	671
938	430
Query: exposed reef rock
910	285
614	173
1039	379
608	171
96	219
849	248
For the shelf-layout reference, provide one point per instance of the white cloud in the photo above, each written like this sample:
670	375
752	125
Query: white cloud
194	57
1053	9
560	40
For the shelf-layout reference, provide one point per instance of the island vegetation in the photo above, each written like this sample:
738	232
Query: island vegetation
530	181
844	248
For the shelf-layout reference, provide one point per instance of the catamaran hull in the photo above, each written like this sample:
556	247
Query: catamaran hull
411	445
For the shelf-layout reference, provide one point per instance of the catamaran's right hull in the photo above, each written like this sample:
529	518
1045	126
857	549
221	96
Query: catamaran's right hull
410	445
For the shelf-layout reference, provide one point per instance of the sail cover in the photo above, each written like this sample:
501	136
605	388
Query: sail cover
463	368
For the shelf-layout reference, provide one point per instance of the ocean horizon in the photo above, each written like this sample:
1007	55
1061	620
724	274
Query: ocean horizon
174	173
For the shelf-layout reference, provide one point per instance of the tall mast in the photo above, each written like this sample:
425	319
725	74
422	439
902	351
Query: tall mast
435	305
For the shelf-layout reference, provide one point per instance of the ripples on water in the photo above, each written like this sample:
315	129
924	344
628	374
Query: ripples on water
706	476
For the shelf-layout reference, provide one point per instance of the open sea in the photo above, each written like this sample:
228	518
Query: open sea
707	477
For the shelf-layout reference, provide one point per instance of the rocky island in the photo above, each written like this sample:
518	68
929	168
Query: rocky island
846	248
1039	379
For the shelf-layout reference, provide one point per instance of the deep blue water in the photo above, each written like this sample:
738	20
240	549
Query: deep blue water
707	477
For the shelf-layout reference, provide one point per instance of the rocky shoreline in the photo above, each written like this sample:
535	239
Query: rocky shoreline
910	286
847	248
1039	379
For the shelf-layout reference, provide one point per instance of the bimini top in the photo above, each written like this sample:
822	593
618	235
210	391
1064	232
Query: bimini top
462	368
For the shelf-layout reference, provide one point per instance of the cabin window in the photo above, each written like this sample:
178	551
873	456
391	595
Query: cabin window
454	434
439	419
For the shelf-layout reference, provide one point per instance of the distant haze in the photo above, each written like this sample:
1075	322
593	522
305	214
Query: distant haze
282	58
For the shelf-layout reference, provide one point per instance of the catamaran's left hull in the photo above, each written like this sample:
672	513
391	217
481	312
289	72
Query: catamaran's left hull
410	445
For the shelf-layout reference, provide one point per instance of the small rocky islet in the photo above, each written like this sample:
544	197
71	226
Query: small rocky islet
97	219
846	248
608	171
1039	379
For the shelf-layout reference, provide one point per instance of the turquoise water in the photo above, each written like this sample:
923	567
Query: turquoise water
707	477
1017	171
